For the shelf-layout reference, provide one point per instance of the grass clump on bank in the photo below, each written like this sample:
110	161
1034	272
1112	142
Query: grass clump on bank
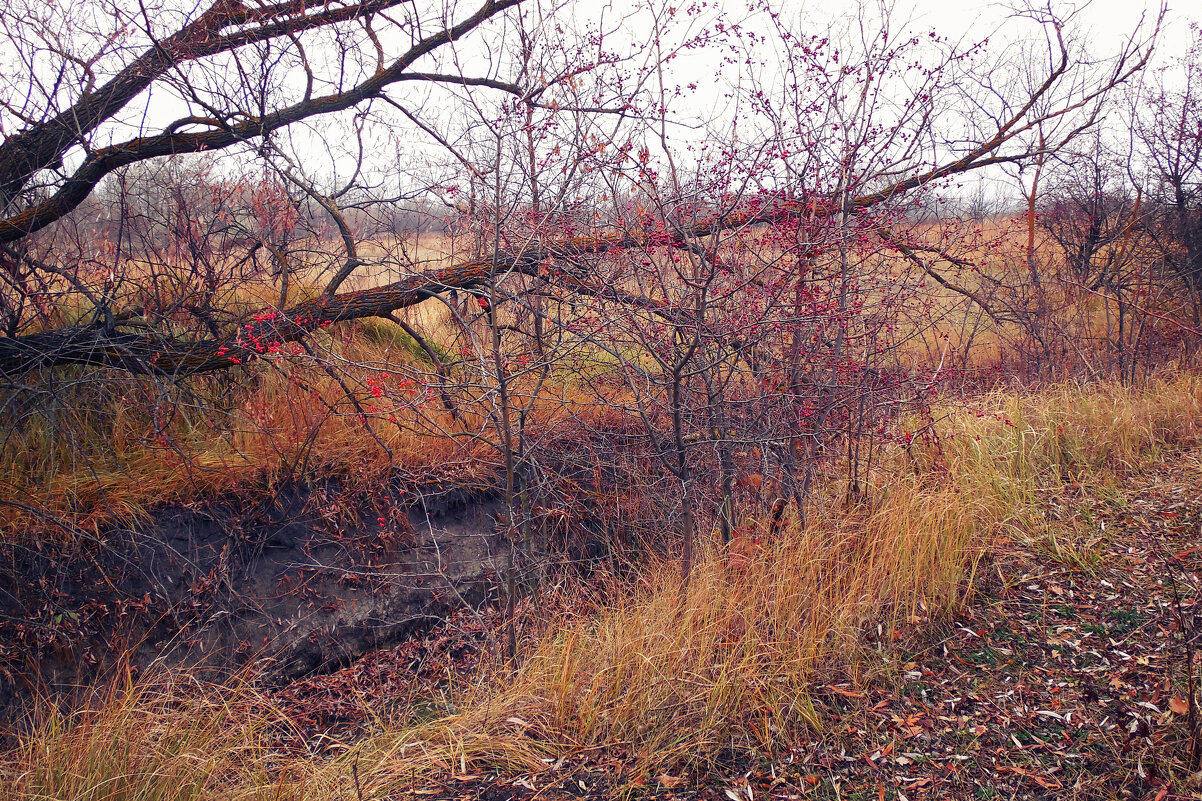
141	742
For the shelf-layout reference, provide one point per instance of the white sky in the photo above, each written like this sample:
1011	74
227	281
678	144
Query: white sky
1109	21
1104	27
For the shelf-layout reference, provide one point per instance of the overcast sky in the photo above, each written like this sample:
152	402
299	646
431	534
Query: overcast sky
1109	20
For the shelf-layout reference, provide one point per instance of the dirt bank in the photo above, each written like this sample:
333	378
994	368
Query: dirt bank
303	581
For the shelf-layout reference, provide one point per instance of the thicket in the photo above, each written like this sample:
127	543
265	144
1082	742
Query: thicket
749	363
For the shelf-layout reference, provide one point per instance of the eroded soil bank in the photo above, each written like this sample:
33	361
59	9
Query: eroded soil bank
301	582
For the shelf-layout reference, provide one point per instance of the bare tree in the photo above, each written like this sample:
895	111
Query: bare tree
1167	126
244	74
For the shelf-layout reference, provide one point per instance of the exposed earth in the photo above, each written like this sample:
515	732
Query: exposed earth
302	582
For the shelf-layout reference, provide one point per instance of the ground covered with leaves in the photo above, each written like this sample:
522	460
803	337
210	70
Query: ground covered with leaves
1070	675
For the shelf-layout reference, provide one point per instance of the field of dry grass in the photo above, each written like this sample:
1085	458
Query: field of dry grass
365	401
132	451
665	680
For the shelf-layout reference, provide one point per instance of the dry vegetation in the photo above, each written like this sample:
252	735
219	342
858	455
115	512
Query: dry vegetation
117	448
666	680
662	678
783	447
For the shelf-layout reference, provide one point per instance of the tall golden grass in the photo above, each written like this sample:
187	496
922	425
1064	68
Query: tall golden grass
106	460
137	744
101	461
114	469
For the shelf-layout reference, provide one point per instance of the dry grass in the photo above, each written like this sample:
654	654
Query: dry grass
87	452
90	456
665	676
727	665
1046	449
134	448
138	744
670	678
1046	332
113	466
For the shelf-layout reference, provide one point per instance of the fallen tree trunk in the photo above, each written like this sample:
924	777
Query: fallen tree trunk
269	330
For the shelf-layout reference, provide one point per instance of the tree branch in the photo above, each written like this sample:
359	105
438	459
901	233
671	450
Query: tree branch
44	145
